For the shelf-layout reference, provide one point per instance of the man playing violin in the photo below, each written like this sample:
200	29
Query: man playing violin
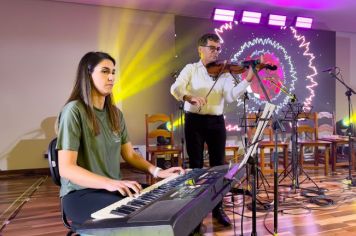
204	97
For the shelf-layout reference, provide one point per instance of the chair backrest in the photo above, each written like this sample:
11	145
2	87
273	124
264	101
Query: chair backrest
53	162
154	128
326	124
307	127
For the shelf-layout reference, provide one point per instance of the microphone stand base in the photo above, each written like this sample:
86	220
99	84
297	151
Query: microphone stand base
350	182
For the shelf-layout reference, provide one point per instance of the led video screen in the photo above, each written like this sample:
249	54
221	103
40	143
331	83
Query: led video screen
299	54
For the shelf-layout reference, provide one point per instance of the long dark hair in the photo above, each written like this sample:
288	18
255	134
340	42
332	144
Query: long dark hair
83	88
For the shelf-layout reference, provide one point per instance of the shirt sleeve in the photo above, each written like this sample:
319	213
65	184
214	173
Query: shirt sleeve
231	92
179	88
69	131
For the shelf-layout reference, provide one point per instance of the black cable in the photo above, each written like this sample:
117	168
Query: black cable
233	215
264	222
242	213
310	192
322	201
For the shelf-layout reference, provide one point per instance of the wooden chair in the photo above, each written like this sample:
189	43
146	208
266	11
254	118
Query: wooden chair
308	137
154	150
234	150
327	132
269	144
231	154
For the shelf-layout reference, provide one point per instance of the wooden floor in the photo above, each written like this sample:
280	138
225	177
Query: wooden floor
31	206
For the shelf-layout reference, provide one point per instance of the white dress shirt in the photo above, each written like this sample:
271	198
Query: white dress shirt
194	80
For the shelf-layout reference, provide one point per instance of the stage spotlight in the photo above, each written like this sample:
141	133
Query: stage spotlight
277	20
223	15
251	17
160	139
303	22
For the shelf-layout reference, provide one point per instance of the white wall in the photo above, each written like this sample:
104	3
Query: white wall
41	44
346	60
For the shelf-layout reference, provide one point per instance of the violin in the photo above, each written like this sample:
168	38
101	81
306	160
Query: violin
217	68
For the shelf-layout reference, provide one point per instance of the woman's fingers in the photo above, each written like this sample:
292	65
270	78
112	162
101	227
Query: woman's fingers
125	187
121	191
136	187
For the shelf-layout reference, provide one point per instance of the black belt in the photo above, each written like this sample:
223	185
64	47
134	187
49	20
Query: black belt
196	114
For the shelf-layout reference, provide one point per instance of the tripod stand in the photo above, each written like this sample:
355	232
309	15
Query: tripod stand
260	177
275	157
181	117
259	173
295	109
349	92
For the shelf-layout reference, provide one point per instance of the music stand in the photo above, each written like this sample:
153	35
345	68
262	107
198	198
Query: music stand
244	124
250	157
294	110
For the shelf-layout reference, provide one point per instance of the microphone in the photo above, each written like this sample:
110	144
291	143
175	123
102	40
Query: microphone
293	98
245	96
253	63
329	69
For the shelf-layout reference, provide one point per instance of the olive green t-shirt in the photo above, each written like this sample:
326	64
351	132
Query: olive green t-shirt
99	154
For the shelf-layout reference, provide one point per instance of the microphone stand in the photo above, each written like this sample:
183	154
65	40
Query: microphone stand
276	124
181	114
294	109
245	97
245	120
348	93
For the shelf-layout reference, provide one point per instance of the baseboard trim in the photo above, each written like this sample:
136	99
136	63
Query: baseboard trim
38	171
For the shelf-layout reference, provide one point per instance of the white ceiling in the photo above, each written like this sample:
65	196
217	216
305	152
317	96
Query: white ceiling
328	14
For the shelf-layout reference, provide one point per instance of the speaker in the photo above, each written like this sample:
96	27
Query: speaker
165	163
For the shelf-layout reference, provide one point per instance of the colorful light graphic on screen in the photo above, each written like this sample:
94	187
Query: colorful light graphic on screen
281	52
304	44
274	53
278	76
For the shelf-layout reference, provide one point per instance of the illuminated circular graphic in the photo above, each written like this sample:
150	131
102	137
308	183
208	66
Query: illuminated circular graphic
286	49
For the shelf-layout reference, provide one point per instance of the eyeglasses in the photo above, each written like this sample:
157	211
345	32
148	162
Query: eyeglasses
213	48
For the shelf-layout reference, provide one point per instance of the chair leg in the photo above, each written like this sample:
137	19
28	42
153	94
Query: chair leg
333	156
148	178
316	156
271	155
285	156
180	159
301	156
262	160
327	152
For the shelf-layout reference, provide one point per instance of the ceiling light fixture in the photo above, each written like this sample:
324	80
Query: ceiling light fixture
223	15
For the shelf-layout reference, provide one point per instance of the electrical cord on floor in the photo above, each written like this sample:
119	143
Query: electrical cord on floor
322	201
293	204
243	210
233	215
264	222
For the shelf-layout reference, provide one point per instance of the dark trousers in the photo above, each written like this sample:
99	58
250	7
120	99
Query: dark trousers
209	129
79	205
